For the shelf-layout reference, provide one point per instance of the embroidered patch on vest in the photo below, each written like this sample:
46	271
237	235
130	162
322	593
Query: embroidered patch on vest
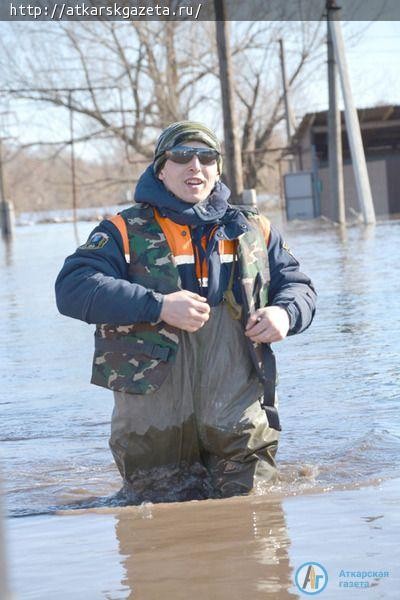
286	247
96	241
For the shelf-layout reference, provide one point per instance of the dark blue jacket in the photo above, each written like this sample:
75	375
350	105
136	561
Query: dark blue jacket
93	284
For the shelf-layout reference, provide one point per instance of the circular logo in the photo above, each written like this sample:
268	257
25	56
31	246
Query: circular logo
311	578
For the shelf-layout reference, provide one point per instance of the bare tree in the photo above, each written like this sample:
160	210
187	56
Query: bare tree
258	86
130	79
127	78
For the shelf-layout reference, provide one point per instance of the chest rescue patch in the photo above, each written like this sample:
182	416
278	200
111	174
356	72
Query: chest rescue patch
96	241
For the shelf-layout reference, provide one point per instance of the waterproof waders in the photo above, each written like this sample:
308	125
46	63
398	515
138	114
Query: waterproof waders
203	432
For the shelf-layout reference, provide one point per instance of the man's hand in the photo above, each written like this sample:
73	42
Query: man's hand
267	325
185	310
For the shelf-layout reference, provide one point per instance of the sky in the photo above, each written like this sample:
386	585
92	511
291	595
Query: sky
373	65
372	51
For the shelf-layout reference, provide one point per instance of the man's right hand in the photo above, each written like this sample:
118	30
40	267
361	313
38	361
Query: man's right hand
185	310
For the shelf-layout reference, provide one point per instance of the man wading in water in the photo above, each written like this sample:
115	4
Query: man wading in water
187	292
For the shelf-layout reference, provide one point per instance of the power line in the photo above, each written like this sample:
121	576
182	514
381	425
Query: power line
58	89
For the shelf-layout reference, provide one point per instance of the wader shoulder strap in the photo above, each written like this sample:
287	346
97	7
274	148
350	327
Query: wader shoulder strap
269	381
262	355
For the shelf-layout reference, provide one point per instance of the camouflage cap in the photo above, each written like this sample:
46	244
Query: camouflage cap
180	132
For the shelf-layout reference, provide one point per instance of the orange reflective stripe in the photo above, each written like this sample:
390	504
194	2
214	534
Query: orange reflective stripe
180	242
120	224
266	228
178	236
227	250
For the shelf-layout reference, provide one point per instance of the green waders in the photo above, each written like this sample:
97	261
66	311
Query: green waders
203	433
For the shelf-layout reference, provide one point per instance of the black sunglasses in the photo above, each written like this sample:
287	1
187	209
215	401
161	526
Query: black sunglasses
184	154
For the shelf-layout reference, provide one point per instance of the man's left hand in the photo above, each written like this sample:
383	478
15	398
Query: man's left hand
267	325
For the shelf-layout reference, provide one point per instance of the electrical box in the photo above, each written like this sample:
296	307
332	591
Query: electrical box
301	195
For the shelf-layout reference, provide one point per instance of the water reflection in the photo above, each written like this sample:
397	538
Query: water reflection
229	549
8	251
342	234
367	232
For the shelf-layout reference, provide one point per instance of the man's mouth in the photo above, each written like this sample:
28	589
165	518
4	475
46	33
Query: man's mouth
194	182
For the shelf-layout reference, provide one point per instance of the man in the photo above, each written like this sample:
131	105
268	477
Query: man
188	293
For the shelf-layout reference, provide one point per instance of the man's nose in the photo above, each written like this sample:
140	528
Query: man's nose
195	164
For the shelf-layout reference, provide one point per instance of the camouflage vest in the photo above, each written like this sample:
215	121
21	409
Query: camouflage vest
136	358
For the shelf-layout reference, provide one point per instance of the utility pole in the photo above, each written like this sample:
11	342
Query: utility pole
335	156
6	208
288	112
73	172
2	195
233	156
353	127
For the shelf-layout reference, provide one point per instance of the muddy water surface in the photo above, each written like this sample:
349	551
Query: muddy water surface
339	404
214	549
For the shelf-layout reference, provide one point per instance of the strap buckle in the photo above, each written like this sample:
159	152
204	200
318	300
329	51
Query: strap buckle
161	352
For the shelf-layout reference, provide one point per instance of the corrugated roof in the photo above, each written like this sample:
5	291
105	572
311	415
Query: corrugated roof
387	112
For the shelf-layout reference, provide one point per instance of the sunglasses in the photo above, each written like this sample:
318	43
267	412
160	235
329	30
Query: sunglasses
184	154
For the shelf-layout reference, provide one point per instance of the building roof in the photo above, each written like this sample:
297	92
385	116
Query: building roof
369	118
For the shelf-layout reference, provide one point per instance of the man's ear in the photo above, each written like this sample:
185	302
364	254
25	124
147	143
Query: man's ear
160	175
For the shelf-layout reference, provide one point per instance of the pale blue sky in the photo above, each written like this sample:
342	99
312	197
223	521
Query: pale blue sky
373	65
373	53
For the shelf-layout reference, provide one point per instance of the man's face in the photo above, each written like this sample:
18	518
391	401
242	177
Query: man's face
191	182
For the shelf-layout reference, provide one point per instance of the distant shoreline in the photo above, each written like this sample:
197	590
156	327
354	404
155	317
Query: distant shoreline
98	213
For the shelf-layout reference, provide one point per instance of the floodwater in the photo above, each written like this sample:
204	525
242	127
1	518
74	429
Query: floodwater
336	500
